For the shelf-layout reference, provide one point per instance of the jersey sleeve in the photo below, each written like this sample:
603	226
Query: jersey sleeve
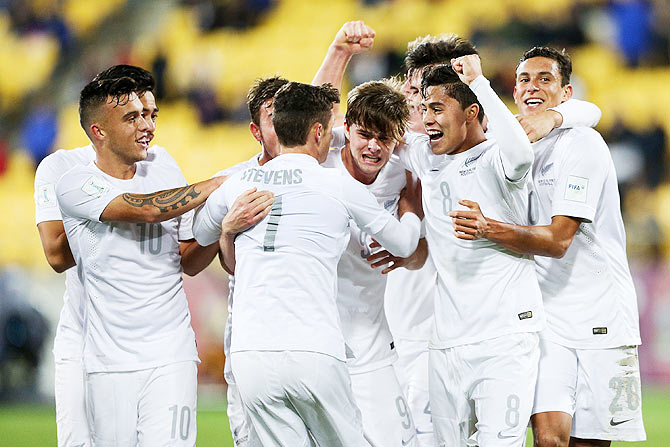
207	219
414	153
582	176
399	238
339	139
84	194
46	176
578	113
516	152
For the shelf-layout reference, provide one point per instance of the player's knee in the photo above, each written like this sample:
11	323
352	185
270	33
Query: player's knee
550	439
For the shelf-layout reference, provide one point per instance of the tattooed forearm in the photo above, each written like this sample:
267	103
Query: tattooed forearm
170	199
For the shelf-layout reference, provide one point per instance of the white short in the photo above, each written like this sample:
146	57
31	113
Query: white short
70	392
599	388
145	408
412	371
292	396
240	427
482	393
387	420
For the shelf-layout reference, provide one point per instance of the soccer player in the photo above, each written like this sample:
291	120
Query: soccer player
352	38
588	387
375	121
411	319
71	422
139	349
484	351
288	352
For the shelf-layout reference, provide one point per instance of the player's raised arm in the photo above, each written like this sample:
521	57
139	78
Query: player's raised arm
515	149
353	38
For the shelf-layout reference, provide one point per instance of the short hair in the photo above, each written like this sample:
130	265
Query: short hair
379	106
143	78
297	107
102	91
431	50
262	90
444	76
562	57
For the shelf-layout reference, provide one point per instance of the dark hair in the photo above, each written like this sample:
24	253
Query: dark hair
262	90
563	59
430	50
444	76
143	79
102	91
297	107
379	106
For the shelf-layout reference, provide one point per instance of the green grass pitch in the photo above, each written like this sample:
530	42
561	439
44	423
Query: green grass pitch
30	425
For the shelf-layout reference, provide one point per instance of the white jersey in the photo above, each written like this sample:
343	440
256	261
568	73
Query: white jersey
285	272
227	371
409	302
137	316
483	290
50	169
588	294
360	288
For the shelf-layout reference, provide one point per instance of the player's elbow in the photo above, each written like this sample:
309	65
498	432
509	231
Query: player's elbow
560	248
58	262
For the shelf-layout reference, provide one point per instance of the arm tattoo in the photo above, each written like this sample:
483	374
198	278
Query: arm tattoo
169	199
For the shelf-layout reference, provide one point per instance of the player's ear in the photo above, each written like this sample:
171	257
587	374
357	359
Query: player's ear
567	93
471	112
96	131
256	132
318	131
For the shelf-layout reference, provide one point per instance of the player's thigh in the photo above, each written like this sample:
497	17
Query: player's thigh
112	400
503	387
70	393
555	394
320	391
240	427
609	402
262	383
167	406
387	420
452	412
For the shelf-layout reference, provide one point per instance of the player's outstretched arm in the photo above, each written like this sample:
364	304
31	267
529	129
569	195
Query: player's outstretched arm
543	240
515	149
55	245
572	113
159	206
353	38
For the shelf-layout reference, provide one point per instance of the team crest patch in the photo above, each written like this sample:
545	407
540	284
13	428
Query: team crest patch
575	189
95	186
46	196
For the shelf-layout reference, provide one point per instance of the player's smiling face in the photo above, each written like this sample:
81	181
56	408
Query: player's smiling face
538	86
445	121
412	90
369	152
126	133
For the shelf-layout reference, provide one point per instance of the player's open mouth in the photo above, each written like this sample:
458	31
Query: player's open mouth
534	102
371	159
435	135
144	142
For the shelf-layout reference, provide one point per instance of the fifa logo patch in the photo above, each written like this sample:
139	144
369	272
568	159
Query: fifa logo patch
599	331
525	315
575	188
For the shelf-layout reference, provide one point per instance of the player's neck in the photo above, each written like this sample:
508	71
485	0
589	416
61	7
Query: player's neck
111	165
306	149
474	136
